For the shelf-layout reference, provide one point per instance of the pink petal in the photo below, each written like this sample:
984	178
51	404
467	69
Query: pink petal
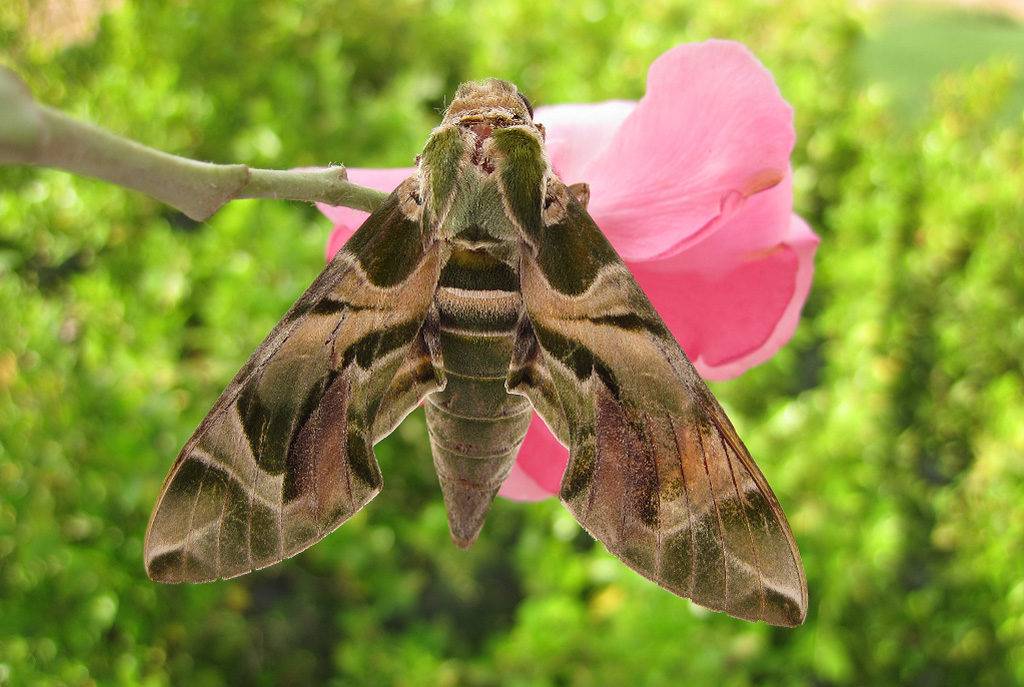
732	304
576	134
711	131
537	473
347	220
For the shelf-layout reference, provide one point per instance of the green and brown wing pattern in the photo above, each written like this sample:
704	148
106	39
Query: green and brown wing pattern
286	455
656	472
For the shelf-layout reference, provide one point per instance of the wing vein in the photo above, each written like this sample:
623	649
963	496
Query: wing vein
192	515
762	595
252	486
689	506
591	493
718	513
776	510
652	457
220	527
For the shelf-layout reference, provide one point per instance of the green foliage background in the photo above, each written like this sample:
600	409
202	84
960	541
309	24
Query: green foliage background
892	426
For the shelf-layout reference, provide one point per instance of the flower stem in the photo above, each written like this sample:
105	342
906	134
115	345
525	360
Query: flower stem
35	134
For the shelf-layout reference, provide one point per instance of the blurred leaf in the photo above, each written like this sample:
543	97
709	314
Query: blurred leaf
892	426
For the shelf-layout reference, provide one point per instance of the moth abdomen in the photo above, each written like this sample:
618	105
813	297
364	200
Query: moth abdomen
475	425
472	458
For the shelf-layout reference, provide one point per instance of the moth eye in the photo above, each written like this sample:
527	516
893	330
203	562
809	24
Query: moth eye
526	101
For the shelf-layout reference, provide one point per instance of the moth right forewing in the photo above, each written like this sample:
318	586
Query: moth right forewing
656	471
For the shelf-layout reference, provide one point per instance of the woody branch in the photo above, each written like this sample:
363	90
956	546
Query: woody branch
34	134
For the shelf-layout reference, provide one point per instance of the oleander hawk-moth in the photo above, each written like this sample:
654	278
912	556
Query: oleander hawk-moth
482	288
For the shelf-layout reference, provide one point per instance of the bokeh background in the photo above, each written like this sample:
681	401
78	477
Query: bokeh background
891	427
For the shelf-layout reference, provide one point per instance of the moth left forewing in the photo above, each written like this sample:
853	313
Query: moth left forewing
286	453
656	472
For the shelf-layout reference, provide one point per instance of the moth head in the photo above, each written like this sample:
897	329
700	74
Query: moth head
491	102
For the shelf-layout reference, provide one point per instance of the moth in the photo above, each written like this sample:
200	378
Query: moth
483	289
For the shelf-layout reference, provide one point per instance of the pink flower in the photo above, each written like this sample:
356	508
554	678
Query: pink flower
693	187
